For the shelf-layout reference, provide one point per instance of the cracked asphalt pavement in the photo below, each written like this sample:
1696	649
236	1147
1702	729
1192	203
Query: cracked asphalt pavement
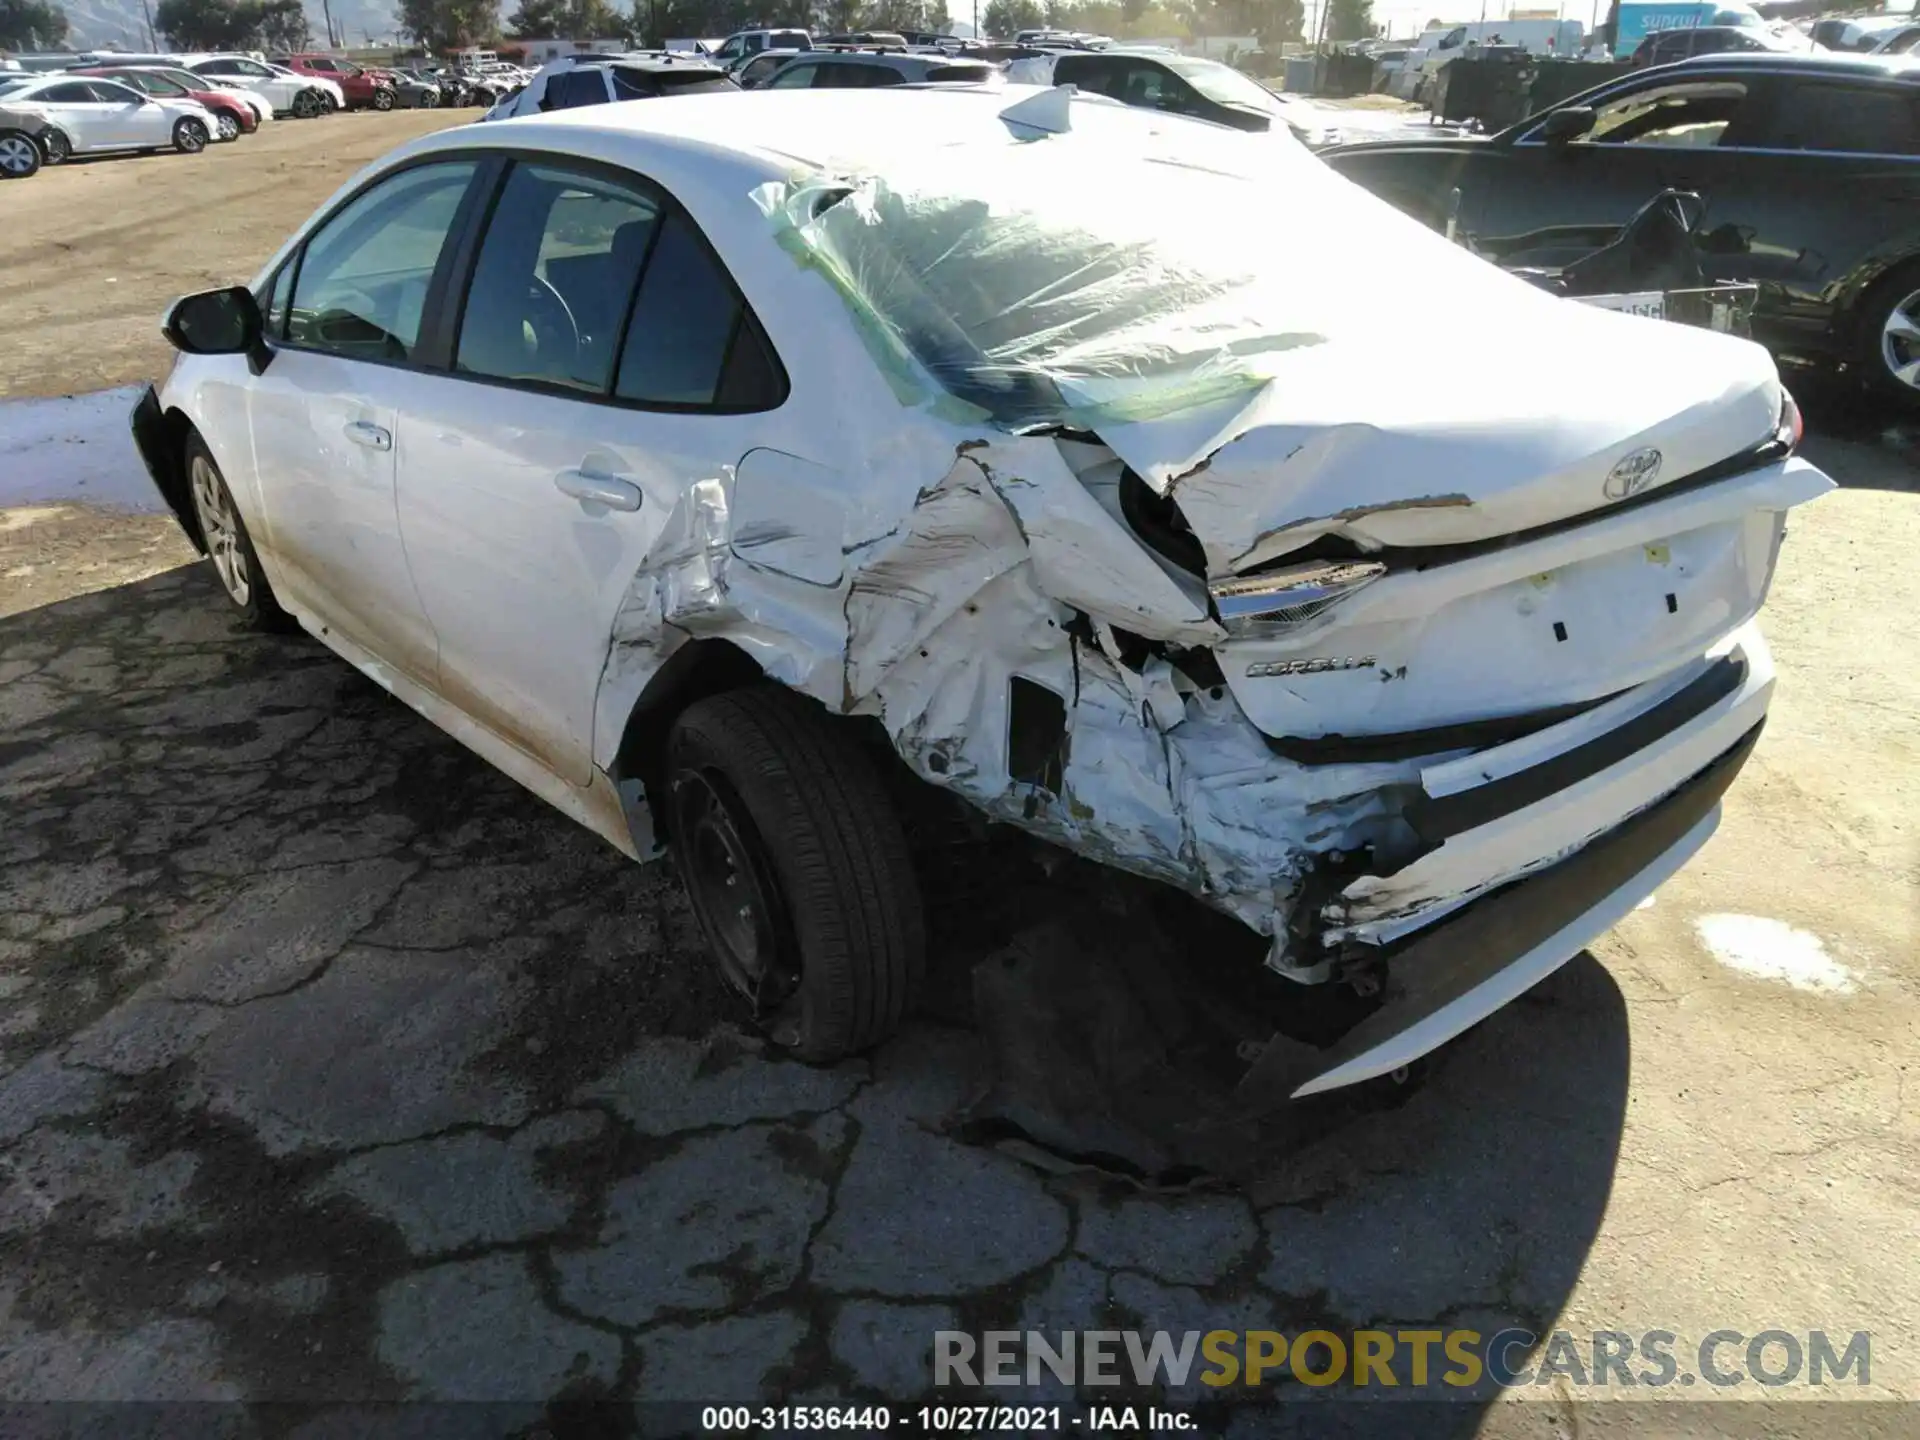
335	1069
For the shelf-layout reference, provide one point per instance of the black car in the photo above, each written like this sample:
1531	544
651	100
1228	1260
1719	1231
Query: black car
1808	169
1667	46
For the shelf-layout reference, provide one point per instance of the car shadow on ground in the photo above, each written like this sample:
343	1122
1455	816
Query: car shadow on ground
339	1069
1881	440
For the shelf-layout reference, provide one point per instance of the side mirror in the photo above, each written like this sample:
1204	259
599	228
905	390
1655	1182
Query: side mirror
1567	124
219	322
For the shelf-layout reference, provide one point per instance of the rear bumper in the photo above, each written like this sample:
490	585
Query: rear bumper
1456	973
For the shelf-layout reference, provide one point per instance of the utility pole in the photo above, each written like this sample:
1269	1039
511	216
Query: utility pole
326	9
152	44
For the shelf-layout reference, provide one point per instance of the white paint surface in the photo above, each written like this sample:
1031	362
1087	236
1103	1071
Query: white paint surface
1774	950
75	447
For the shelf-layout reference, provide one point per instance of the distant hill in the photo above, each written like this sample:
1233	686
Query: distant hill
120	22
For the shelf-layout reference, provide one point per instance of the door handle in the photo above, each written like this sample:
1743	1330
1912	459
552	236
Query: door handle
599	489
374	437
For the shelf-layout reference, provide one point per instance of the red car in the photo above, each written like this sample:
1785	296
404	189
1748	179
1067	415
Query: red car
232	116
361	86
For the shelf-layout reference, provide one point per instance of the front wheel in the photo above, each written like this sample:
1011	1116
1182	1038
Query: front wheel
229	547
797	868
189	136
308	104
19	155
226	127
55	147
1888	348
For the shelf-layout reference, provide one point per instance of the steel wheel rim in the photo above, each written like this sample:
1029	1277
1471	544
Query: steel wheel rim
229	127
1900	342
18	155
220	528
735	899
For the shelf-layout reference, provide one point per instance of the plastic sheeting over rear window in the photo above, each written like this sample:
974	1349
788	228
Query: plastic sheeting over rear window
1066	281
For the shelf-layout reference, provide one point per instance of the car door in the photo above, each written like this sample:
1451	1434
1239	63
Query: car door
81	114
1527	201
350	337
604	366
131	118
1840	199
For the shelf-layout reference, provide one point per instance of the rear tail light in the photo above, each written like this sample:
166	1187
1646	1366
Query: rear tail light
1278	602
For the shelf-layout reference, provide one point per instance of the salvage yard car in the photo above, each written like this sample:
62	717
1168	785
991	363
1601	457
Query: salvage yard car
708	466
1808	167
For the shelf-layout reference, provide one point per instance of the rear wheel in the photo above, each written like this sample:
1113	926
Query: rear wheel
229	547
19	155
382	98
797	868
226	127
1888	347
190	136
55	147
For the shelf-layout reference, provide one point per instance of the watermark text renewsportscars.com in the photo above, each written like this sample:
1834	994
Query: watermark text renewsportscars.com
1452	1359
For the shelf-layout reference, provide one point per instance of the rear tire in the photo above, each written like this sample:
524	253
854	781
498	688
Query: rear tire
1887	344
189	136
229	547
797	868
382	98
20	155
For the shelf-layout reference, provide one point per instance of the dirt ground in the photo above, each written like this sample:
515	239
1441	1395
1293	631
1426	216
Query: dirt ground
91	253
318	1033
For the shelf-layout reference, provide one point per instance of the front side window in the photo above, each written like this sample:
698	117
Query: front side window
555	273
111	93
1685	116
157	85
364	274
68	94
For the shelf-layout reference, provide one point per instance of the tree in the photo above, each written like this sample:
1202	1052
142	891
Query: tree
208	24
449	24
568	19
31	25
1349	19
1006	18
283	25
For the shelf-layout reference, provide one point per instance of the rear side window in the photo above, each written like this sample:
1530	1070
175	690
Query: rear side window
690	82
1846	119
958	74
68	94
572	88
551	285
691	342
797	76
631	85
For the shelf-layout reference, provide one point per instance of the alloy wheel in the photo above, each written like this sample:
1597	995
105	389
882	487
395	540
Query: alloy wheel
1900	341
220	528
306	105
18	155
190	137
383	98
229	127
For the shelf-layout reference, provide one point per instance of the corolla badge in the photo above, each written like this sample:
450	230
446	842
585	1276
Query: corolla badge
1632	475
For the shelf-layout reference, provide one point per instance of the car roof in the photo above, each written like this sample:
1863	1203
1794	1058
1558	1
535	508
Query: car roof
1799	62
758	135
641	60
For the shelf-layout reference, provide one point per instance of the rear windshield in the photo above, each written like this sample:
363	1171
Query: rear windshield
787	40
1024	283
959	74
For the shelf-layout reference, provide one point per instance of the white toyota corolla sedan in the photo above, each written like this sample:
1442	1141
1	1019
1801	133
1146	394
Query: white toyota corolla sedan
699	464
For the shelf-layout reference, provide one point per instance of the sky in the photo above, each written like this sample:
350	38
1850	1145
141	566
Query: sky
1406	17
